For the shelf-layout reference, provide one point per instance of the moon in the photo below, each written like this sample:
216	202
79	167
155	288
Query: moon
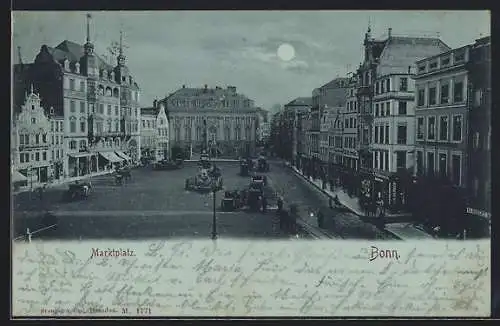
286	52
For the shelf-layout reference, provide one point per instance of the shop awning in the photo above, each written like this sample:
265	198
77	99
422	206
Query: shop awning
76	155
123	155
111	156
18	177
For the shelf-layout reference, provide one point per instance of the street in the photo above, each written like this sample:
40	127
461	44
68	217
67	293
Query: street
153	204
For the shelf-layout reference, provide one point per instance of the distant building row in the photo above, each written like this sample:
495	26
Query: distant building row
414	105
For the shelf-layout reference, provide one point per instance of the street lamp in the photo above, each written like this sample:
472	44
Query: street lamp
214	218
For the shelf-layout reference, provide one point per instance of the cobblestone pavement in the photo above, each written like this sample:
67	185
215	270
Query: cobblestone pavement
153	204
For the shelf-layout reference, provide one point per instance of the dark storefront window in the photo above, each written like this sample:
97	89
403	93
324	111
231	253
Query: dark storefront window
430	163
420	163
400	159
443	165
456	162
443	128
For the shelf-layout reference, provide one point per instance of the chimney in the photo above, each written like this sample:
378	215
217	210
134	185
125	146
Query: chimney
409	70
155	103
389	32
183	86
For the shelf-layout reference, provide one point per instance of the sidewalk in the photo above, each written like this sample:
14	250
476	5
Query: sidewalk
61	182
350	203
403	231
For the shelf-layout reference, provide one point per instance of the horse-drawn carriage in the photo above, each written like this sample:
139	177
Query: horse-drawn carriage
78	191
122	174
231	201
205	180
262	164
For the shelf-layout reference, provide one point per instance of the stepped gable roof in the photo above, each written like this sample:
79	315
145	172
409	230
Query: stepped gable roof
401	52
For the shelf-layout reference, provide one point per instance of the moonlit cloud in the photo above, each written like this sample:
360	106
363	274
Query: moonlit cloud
169	49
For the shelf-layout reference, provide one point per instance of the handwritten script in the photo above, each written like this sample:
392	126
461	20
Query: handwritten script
244	278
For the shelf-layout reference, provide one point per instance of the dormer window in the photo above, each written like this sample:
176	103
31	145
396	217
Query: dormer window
77	68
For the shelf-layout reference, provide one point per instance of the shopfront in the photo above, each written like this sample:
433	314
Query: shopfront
78	164
110	160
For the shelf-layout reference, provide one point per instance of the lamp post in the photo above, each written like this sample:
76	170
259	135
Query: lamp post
214	218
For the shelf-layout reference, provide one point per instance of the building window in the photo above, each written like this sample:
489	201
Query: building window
382	84
52	126
101	108
420	128
401	135
33	121
421	97
432	95
109	109
445	61
430	163
431	128
443	128
72	144
44	156
445	93
116	111
420	163
82	107
458	92
459	56
72	125
457	128
82	86
37	156
376	110
387	134
72	84
403	84
400	159
72	106
433	65
37	139
421	68
402	108
44	138
388	85
376	134
381	134
456	166
443	165
82	126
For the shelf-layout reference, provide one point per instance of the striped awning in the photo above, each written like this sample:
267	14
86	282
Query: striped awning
18	177
123	155
111	156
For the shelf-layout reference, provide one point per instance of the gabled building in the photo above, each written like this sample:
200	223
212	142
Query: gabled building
155	132
290	123
98	102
